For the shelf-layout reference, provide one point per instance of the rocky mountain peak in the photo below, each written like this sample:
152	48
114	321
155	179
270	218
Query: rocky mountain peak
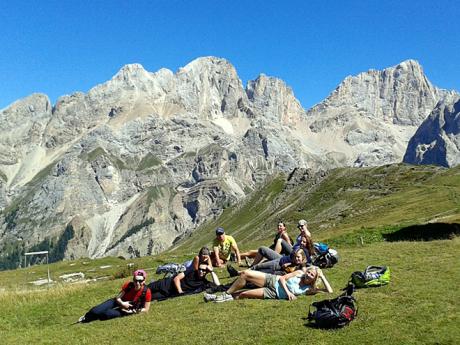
211	87
131	71
275	100
400	94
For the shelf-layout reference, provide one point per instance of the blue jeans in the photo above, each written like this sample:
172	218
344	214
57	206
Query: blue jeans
273	263
104	311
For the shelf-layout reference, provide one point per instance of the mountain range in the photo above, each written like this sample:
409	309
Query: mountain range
142	160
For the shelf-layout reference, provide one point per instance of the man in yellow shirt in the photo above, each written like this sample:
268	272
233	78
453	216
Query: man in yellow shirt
223	246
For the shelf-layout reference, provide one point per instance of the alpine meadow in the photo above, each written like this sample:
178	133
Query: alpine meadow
402	216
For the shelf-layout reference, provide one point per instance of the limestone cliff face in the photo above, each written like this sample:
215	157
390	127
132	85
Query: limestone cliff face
437	140
140	161
374	114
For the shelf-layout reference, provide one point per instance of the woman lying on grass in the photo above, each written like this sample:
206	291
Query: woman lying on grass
271	286
134	298
184	283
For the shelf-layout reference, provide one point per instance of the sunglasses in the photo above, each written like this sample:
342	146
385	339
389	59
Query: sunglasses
140	281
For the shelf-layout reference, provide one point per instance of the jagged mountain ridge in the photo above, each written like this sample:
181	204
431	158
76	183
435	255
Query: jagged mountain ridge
437	140
143	159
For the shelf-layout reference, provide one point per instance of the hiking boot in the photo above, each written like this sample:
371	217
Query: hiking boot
208	297
232	271
248	261
225	297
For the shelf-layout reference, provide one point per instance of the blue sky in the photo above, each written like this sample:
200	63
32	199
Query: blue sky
60	47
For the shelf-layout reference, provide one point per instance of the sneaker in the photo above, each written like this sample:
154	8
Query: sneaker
208	297
81	319
225	297
232	271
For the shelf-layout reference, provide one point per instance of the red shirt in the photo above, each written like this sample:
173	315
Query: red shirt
132	295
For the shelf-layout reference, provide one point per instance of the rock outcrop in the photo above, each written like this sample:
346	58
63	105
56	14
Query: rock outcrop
437	140
373	115
140	161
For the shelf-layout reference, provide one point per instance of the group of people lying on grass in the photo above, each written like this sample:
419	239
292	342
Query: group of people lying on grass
281	271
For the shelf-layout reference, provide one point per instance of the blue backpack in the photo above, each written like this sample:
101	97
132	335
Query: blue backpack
324	257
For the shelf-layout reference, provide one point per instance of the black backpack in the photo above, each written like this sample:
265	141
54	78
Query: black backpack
326	259
334	313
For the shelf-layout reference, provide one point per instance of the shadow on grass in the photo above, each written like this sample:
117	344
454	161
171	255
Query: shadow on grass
425	232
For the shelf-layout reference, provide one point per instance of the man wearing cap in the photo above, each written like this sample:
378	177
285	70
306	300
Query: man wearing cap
223	246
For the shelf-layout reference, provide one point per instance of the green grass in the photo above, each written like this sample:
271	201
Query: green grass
418	307
351	209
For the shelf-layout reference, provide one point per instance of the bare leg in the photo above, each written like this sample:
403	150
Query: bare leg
283	247
257	278
249	254
257	259
278	246
254	293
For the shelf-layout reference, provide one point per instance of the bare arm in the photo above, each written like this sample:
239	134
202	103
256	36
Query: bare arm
305	231
146	308
176	281
196	263
216	255
283	280
285	237
327	286
123	304
215	278
237	252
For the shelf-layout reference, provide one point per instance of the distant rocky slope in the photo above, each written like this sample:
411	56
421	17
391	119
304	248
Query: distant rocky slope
437	140
143	159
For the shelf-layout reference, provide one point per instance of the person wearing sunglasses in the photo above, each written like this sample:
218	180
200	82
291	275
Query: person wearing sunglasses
133	298
269	286
184	283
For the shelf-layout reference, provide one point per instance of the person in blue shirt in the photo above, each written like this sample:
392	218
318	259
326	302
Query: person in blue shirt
269	286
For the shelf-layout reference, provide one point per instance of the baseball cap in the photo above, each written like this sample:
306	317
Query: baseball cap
140	274
301	222
220	231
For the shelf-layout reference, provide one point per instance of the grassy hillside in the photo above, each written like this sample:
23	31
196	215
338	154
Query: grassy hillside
359	211
346	201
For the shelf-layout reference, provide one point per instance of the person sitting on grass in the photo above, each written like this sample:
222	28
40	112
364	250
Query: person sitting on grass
133	298
286	246
282	244
185	283
223	246
265	253
271	286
